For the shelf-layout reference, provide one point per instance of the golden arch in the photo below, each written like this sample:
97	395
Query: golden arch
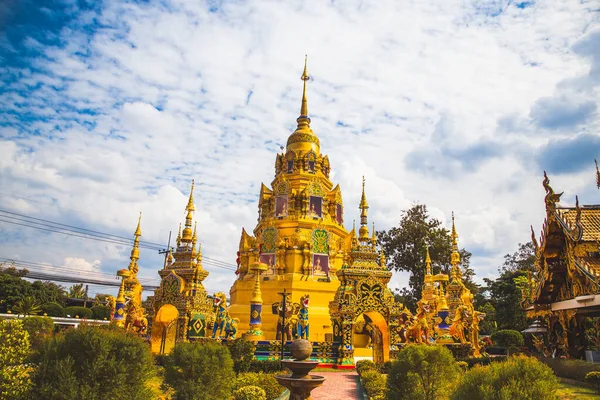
164	329
380	335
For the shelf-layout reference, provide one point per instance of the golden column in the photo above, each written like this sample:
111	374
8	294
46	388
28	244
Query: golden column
256	302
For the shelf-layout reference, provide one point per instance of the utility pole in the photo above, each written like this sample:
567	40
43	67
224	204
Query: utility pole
166	251
284	294
85	296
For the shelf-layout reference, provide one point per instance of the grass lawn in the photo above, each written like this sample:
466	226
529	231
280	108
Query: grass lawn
568	391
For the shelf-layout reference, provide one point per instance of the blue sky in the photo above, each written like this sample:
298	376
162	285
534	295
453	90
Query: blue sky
108	108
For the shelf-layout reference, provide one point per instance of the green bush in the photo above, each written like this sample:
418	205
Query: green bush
422	372
249	393
39	329
101	312
82	312
363	365
15	381
460	351
93	363
571	369
508	338
242	354
463	365
266	366
200	371
267	382
385	367
373	382
53	310
471	362
594	379
523	378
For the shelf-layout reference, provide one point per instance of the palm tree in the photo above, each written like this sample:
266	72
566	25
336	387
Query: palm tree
77	291
27	306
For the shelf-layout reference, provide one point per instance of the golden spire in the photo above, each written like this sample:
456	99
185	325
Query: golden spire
455	257
187	231
135	251
597	174
428	270
178	240
364	206
304	77
374	236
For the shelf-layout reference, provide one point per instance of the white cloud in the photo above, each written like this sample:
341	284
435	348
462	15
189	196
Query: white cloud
429	100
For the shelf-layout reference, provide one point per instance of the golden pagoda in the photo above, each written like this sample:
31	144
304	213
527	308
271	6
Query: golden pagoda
300	236
129	312
181	306
364	313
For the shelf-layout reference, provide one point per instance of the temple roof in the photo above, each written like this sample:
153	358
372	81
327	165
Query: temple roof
590	220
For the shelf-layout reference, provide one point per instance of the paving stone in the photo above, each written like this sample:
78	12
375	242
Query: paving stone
338	386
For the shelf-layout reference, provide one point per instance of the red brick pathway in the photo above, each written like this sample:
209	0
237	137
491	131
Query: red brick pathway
338	386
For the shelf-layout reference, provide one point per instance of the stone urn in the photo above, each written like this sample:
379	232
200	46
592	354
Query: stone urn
300	383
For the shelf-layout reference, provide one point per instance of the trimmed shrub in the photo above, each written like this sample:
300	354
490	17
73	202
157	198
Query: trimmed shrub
594	379
462	365
363	365
15	381
82	312
523	378
39	329
93	364
570	369
101	312
422	372
508	338
242	354
266	382
471	362
373	382
266	366
200	371
53	310
249	393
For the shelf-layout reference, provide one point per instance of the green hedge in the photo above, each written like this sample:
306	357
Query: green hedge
82	312
266	382
53	310
266	366
483	360
508	338
101	312
373	382
249	393
242	354
364	365
523	378
39	329
571	369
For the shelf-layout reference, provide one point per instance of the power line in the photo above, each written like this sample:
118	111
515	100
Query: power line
49	226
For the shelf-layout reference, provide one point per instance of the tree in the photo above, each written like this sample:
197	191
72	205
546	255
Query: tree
15	381
39	329
505	291
77	291
93	363
405	248
27	306
489	324
12	289
48	292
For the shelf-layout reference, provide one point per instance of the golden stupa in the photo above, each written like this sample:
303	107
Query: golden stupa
300	237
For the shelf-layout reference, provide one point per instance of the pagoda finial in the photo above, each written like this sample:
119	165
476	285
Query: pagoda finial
455	256
364	206
374	236
178	240
194	236
190	204
597	174
135	251
303	120
427	261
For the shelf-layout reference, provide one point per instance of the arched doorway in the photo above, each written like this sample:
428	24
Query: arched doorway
164	329
372	338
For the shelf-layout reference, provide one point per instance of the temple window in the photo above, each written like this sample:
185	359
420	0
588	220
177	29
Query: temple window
315	207
290	166
269	259
311	166
320	265
281	206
